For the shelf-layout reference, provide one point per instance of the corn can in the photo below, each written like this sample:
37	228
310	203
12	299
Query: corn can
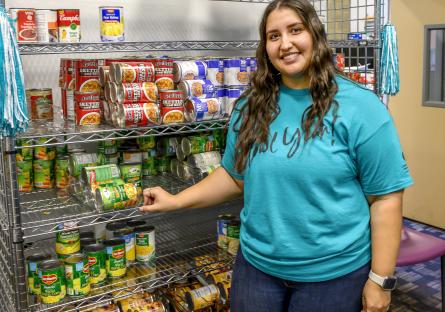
33	275
67	239
127	234
115	258
233	231
25	176
96	262
92	175
44	152
111	24
52	281
149	167
145	243
77	274
108	147
221	229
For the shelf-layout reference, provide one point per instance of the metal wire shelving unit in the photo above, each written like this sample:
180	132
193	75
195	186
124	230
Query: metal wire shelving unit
29	220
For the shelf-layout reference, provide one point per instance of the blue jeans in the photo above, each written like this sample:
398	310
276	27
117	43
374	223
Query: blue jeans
255	291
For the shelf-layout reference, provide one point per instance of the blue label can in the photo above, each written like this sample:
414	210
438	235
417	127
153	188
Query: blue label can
111	24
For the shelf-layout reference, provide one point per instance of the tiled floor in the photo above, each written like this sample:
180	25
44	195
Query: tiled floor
419	288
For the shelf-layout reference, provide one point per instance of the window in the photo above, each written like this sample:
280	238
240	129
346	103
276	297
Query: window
434	66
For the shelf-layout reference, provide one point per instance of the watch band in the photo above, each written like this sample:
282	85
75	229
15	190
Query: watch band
376	278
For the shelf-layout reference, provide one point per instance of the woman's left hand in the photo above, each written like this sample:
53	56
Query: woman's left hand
374	298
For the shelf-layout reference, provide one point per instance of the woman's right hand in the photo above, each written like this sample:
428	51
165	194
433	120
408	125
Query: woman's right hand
156	199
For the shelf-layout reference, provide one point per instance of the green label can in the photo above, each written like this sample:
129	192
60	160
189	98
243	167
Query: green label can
145	243
107	147
67	239
33	274
43	174
163	164
115	258
61	150
52	281
146	143
113	196
92	175
131	172
44	152
80	160
149	167
96	261
25	153
77	275
198	144
24	176
233	230
61	172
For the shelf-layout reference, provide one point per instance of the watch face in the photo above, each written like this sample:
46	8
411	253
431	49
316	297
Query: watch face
389	283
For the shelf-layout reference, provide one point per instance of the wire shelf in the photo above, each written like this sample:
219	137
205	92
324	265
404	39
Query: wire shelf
68	133
44	211
98	47
168	267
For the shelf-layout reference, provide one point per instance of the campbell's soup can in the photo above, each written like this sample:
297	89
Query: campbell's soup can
236	71
136	92
86	75
47	26
197	88
137	114
189	70
164	73
41	104
202	109
25	24
68	21
143	71
111	23
215	71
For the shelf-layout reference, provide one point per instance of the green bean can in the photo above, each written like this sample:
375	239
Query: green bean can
77	275
43	174
198	144
163	164
101	173
146	143
33	275
149	167
24	176
96	261
115	258
108	147
61	172
52	281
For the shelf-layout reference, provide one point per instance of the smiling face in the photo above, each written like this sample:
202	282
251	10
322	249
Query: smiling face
289	47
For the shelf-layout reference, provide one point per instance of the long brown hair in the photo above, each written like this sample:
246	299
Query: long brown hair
261	108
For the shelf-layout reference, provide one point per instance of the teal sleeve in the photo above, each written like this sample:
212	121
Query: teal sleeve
228	160
382	168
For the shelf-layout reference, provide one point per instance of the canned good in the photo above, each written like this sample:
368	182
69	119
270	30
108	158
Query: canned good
171	115
145	243
189	70
140	304
136	92
93	175
79	160
149	167
221	229
164	73
202	297
69	25
203	160
41	104
44	152
111	24
88	117
52	281
113	227
46	26
236	71
215	71
202	109
137	114
197	88
43	174
25	24
61	172
232	94
115	258
233	231
220	277
97	263
116	196
25	175
198	144
171	98
104	78
86	75
136	223
143	71
32	262
67	239
127	234
24	154
107	147
77	275
146	143
163	164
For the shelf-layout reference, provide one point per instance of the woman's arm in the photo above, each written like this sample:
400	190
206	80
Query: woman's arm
386	229
215	189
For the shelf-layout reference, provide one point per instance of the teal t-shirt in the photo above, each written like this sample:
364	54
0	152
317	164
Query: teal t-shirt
305	215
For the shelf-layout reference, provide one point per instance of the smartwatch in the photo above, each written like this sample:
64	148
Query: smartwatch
386	282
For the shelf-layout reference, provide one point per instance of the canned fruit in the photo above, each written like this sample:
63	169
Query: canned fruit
69	25
97	263
115	258
77	275
145	243
111	24
52	281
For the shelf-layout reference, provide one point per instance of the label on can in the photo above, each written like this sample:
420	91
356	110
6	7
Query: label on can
215	71
197	88
202	109
135	72
43	174
68	242
189	70
25	176
69	25
61	172
23	153
172	115
131	173
77	275
116	261
138	114
46	26
145	246
25	23
171	98
146	143
202	297
96	262
41	103
236	71
137	92
52	284
149	167
111	24
86	75
164	73
130	251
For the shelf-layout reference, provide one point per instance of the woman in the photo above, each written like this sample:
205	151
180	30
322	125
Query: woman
320	166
